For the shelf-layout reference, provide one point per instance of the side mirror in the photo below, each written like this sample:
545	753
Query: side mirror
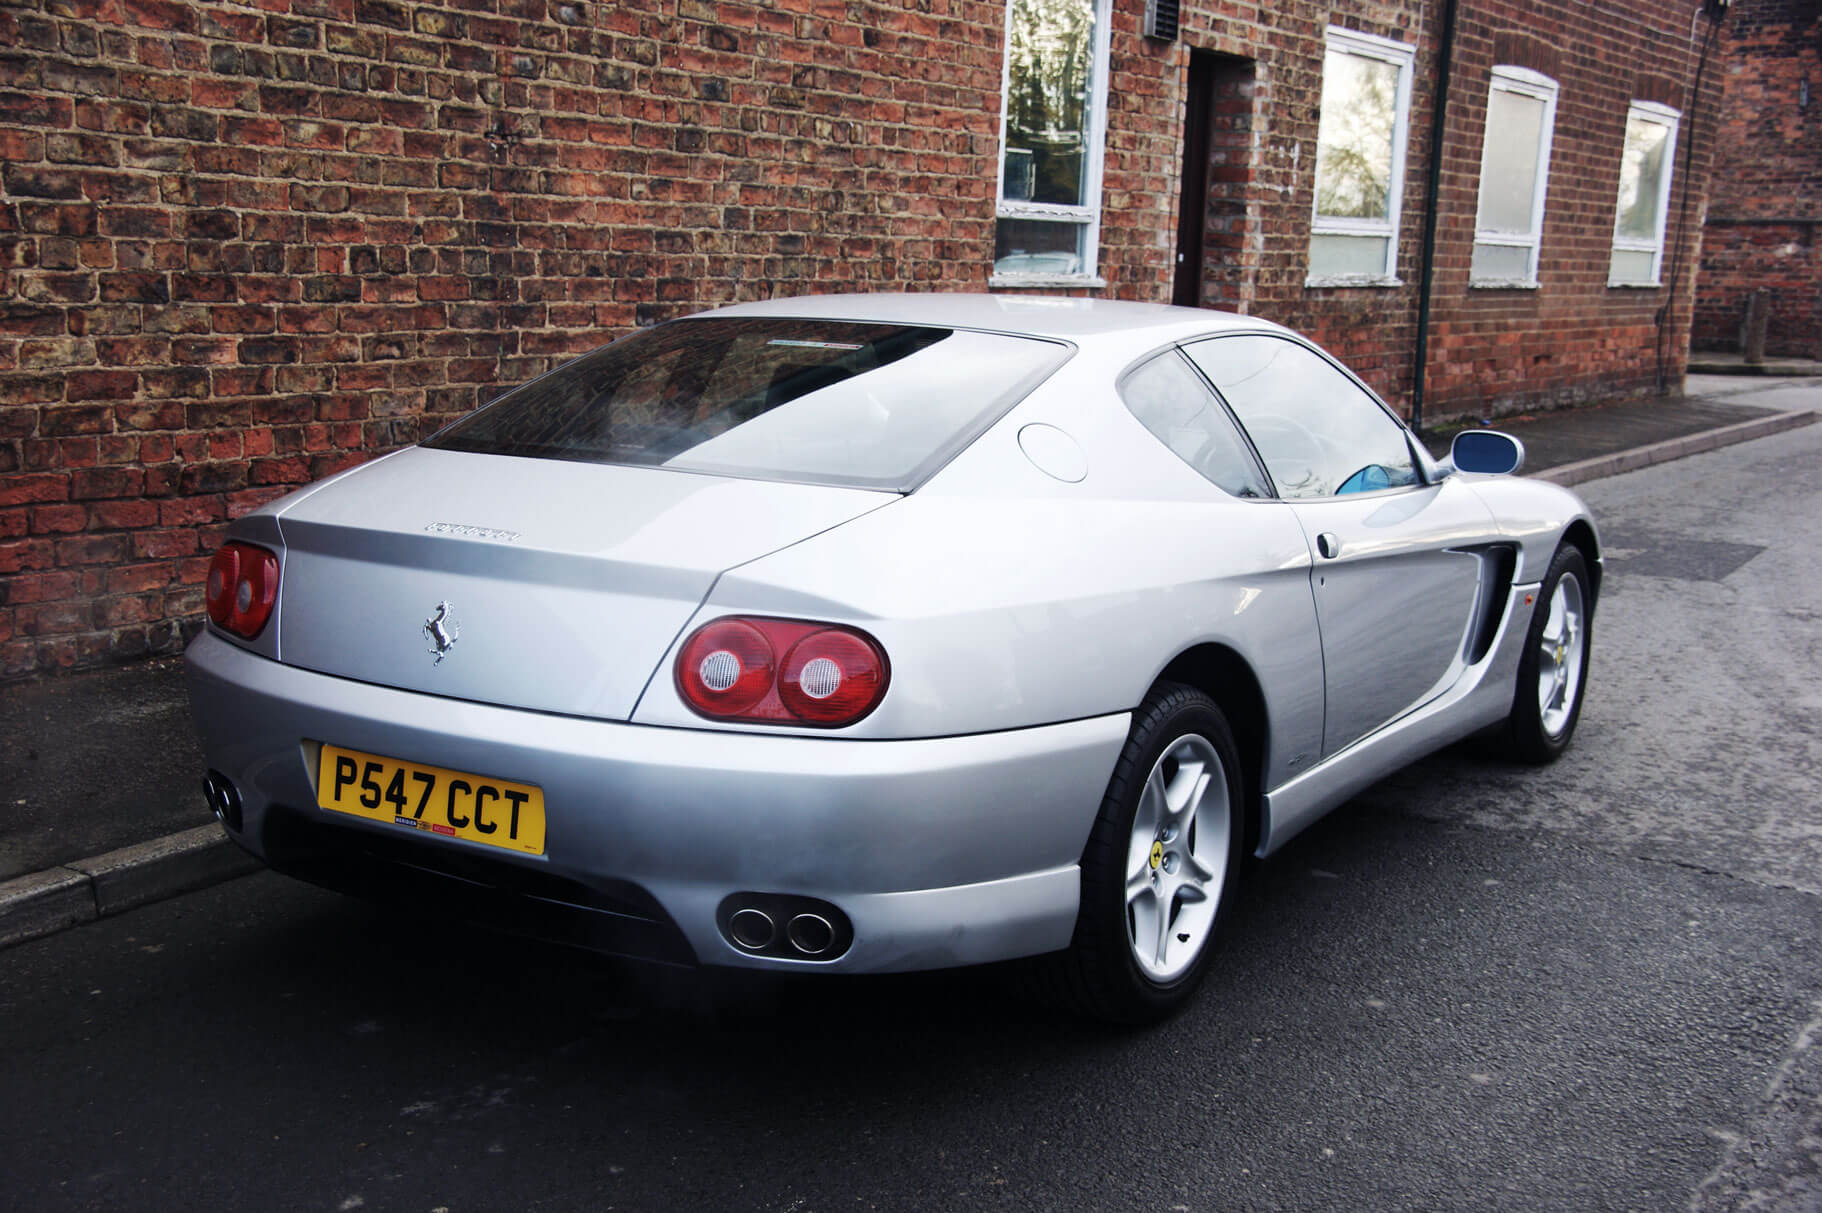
1486	452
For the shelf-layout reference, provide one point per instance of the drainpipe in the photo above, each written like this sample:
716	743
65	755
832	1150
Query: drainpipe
1715	11
1438	112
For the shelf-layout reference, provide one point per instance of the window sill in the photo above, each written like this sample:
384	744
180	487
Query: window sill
1613	285
1326	281
1046	280
1503	284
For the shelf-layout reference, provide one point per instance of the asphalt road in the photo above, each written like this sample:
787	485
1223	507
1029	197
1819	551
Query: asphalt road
65	795
1598	985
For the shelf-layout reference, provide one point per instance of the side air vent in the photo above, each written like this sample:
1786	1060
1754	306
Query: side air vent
1161	19
1498	564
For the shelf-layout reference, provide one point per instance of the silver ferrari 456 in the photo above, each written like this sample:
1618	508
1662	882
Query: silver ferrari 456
883	632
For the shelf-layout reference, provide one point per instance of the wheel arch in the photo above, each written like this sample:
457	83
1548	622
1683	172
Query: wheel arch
1225	677
1580	534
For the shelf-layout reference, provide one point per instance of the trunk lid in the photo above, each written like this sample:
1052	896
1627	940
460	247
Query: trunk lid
551	585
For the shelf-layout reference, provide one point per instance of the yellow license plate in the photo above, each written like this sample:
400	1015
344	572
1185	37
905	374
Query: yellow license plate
454	804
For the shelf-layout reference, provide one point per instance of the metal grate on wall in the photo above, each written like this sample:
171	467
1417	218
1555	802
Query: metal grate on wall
1161	19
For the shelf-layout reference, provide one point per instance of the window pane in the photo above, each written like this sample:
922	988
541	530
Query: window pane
1508	167
1348	255
1180	411
1048	109
1633	266
828	402
1500	261
1038	246
1354	137
1319	434
1641	178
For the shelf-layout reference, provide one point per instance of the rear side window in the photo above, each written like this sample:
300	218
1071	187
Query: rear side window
1177	407
826	402
1319	433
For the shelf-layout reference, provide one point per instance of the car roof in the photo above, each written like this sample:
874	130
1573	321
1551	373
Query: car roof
1069	319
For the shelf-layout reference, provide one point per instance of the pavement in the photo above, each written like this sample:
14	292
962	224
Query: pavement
101	807
1730	363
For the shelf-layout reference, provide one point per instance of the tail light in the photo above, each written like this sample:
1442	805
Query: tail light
243	585
781	671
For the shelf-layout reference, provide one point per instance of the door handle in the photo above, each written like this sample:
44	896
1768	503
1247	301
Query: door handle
1328	545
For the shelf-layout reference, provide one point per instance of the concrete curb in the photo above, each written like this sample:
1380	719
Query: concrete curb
44	903
1675	448
1797	368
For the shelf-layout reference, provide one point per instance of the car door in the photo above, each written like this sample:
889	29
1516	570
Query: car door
1395	570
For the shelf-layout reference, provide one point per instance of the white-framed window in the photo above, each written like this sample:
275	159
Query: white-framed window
1514	178
1053	125
1360	151
1644	204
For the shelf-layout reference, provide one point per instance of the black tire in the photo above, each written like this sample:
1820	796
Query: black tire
1529	735
1099	975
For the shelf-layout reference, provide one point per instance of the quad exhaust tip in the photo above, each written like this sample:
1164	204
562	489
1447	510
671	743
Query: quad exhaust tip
813	929
811	934
223	798
752	929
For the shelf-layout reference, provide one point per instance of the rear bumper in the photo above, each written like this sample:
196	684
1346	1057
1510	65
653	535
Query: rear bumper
941	852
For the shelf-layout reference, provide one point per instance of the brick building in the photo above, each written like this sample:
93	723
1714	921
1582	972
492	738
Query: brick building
1761	232
244	244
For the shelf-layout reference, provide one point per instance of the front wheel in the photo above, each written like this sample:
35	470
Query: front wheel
1161	862
1553	669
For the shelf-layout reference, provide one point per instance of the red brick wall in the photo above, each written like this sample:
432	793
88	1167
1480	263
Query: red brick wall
1492	351
1372	328
242	246
1574	338
1762	229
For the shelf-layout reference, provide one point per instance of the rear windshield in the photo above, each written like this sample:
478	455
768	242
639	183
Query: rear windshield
829	402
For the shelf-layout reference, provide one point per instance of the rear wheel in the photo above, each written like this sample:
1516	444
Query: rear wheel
1161	863
1553	669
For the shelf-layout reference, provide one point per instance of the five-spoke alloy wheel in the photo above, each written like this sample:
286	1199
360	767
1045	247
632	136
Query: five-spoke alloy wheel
1553	669
1176	863
1161	862
1559	656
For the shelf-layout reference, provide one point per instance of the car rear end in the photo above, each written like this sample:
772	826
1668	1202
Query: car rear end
423	681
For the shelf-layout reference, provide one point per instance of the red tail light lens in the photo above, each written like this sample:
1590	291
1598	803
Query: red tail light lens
830	676
726	668
243	585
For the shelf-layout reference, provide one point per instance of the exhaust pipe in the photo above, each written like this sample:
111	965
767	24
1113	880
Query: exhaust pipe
811	934
223	798
784	926
752	929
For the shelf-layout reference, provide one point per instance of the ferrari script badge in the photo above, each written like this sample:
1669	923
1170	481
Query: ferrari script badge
442	631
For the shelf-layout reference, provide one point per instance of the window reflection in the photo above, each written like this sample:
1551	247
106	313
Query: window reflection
823	401
1179	410
1509	162
1354	139
1319	434
1048	113
1034	246
1360	138
1641	179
